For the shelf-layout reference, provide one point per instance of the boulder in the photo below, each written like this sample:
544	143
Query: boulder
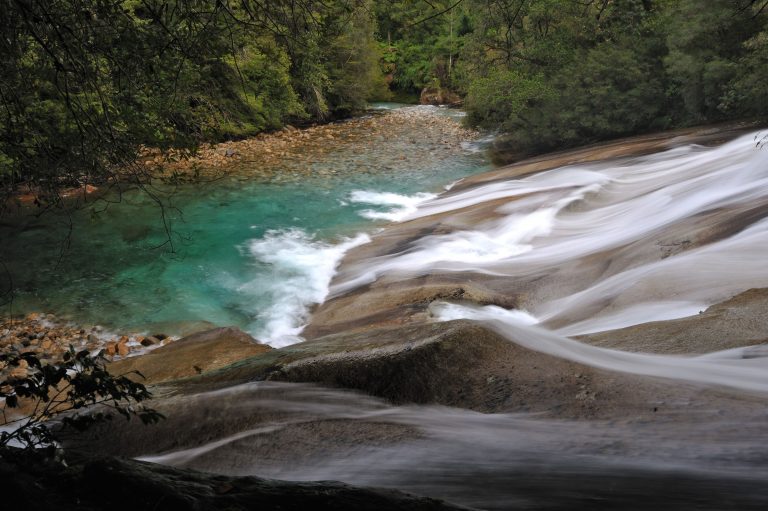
456	363
438	96
192	355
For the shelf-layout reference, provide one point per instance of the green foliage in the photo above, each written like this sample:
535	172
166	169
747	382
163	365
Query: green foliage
423	45
555	73
503	98
353	66
80	382
747	94
84	84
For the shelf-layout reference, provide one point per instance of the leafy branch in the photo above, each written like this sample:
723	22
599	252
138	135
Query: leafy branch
79	389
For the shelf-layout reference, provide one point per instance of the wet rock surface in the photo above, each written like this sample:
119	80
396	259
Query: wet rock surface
735	323
50	337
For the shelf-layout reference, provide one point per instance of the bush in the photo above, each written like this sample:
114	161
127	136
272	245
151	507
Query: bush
80	381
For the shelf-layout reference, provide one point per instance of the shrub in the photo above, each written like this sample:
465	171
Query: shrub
79	389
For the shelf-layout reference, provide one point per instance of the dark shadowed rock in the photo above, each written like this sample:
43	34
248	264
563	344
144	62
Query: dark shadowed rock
34	483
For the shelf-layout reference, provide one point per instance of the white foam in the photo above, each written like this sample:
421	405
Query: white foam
446	311
402	205
302	268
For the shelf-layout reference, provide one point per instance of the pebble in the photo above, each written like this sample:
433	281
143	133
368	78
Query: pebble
286	153
49	338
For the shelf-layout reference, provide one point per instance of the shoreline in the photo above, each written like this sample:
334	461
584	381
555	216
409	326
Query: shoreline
350	138
294	150
274	156
49	337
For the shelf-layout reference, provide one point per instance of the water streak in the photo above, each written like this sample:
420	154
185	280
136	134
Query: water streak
604	221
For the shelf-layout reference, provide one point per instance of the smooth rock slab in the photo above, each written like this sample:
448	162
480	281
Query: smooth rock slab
192	355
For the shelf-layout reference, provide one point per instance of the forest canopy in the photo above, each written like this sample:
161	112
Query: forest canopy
86	84
558	73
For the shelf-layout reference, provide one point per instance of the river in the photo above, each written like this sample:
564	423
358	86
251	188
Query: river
251	251
614	359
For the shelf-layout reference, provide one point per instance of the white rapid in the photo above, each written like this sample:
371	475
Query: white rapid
302	268
620	216
401	206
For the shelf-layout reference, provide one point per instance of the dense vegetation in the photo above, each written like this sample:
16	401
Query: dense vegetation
558	73
85	84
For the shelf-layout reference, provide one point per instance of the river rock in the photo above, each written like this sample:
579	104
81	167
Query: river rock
455	363
737	322
191	355
438	96
35	482
122	348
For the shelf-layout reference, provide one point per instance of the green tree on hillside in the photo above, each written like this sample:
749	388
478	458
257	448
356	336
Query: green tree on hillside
85	84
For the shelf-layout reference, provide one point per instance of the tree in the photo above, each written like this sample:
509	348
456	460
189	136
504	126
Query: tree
79	390
85	85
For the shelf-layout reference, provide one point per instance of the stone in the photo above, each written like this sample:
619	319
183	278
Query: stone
149	341
18	373
188	356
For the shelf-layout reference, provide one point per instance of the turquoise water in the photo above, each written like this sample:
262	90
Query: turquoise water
249	253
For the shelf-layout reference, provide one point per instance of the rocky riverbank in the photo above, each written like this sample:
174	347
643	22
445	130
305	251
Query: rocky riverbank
382	141
50	337
379	142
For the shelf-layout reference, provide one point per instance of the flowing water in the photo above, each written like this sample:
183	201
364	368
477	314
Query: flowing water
600	246
589	214
708	456
251	252
488	461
